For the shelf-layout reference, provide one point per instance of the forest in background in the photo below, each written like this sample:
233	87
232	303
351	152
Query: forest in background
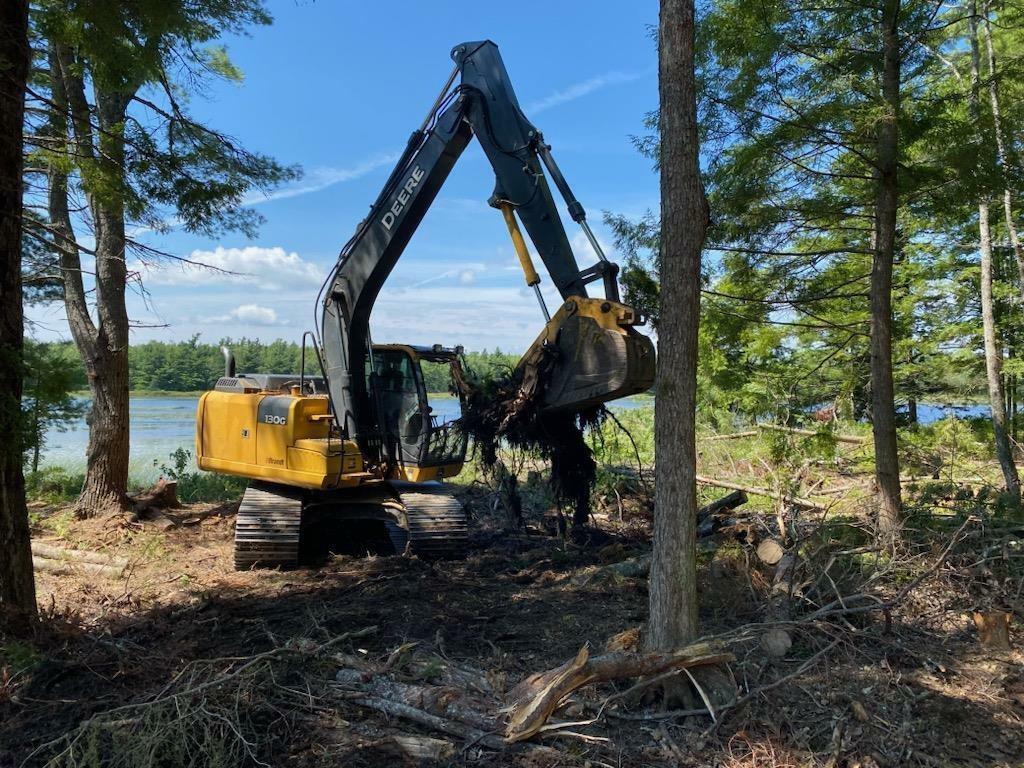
195	366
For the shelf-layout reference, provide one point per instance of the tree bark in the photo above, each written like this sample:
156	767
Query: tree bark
1003	155
993	357
993	352
883	408
103	343
684	218
17	585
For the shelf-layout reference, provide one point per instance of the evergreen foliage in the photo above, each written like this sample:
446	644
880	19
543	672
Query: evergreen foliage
195	366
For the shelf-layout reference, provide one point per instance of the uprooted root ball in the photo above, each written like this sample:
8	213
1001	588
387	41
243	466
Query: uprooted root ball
504	408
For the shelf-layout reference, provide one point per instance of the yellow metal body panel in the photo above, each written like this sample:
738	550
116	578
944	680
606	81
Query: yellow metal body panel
275	437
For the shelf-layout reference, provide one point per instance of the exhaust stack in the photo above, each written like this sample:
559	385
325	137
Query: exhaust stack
229	362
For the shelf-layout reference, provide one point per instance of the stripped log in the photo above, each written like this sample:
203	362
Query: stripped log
65	568
840	489
851	439
42	549
535	699
729	436
795	500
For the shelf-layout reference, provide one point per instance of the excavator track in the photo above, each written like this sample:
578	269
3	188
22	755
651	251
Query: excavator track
267	527
269	524
437	526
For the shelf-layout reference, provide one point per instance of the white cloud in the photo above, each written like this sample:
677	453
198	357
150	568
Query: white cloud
465	273
324	177
585	253
476	316
584	88
268	269
255	314
250	314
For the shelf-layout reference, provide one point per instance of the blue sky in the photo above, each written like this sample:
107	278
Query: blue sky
337	87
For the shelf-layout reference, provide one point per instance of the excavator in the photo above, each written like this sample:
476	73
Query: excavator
358	445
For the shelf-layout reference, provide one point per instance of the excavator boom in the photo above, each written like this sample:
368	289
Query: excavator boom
594	352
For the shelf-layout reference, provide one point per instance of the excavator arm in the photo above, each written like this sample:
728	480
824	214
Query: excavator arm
601	355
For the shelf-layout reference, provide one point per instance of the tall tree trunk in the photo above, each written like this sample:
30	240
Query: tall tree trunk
993	354
17	587
883	408
684	217
1003	155
993	358
37	436
103	344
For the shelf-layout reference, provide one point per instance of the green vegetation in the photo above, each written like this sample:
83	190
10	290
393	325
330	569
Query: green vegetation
47	401
161	368
194	485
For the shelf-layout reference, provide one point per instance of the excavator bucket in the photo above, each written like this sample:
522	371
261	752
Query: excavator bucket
589	353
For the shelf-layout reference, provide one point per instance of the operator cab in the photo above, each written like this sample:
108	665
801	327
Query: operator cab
419	444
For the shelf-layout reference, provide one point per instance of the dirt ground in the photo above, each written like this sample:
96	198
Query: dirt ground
905	686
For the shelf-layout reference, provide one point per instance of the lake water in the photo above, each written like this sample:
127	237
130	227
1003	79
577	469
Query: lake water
161	425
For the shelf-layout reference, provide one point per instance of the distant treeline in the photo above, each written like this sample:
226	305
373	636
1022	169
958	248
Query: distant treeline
190	366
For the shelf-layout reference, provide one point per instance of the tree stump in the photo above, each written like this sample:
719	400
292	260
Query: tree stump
993	629
163	494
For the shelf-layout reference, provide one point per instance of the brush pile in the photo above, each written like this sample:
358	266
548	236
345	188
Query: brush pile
504	409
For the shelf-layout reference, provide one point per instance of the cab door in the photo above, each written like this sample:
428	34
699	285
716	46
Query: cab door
400	398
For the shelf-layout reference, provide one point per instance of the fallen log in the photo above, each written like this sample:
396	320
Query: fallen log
729	501
534	700
640	566
415	715
65	568
707	516
839	489
795	500
851	439
423	748
730	436
42	549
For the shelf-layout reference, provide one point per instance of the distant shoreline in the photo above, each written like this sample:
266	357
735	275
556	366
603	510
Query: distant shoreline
85	394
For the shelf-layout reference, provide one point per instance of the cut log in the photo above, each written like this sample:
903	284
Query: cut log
770	551
420	748
795	500
66	567
993	629
42	549
850	439
776	642
539	695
